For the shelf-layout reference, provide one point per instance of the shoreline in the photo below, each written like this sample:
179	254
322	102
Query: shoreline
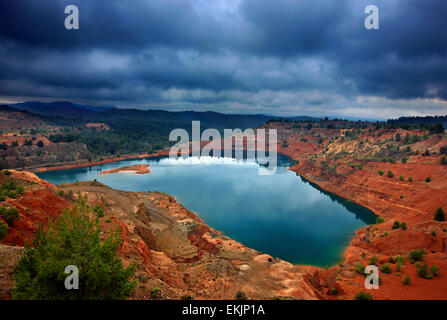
95	162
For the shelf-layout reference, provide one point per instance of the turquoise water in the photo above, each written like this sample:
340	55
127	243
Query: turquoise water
278	214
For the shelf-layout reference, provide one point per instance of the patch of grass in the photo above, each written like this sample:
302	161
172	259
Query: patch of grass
380	220
406	280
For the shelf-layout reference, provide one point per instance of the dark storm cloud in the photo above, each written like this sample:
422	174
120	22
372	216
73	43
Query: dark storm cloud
285	57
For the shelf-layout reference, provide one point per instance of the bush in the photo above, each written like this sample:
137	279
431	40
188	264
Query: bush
390	174
400	259
10	215
406	280
74	239
3	230
99	211
240	295
61	192
373	260
362	295
401	178
380	220
334	291
155	292
410	179
40	144
439	214
398	266
428	179
422	271
443	160
396	225
416	255
360	269
385	268
380	172
403	226
434	269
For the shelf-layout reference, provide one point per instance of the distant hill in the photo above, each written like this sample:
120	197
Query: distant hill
60	108
209	119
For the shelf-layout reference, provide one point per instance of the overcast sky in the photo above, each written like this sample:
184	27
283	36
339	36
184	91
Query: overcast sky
282	57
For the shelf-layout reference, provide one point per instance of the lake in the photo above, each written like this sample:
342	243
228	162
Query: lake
279	214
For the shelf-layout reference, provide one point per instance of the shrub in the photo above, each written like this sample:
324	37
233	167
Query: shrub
400	259
410	179
390	174
360	269
240	295
362	295
401	178
443	160
373	260
10	215
396	225
403	226
155	292
99	211
422	271
380	172
73	239
434	269
404	160
380	220
391	259
334	291
433	233
61	192
416	255
439	214
3	230
406	280
40	144
384	234
428	179
398	266
385	268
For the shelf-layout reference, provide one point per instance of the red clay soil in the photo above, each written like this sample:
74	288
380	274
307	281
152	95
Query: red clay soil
137	168
394	199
